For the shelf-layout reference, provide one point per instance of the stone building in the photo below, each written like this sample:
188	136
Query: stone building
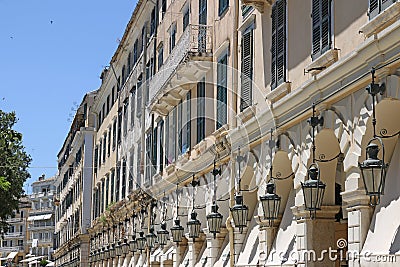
41	218
14	243
220	92
74	187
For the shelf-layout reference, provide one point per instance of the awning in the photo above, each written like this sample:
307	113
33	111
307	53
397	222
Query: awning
250	254
32	259
284	245
12	255
39	217
383	238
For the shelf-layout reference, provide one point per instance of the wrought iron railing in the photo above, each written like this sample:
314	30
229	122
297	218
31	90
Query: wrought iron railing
196	40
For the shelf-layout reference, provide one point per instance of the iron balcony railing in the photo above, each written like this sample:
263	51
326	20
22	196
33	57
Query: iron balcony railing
195	41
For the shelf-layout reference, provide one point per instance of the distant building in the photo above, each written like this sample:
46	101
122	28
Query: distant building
41	218
14	244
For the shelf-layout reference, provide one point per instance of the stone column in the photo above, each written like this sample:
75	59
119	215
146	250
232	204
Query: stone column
195	248
266	238
315	237
180	250
238	241
214	245
84	248
127	260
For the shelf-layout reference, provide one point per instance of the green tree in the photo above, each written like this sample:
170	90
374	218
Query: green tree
14	163
43	262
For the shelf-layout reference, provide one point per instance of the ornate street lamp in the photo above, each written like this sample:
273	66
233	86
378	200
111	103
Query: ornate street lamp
163	234
313	188
194	224
239	211
214	219
177	229
125	246
132	242
111	248
271	201
141	242
151	238
373	169
118	249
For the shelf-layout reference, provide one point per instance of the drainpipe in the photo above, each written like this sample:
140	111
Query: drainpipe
235	77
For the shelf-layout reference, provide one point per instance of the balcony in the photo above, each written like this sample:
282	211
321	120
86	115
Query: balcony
13	235
259	4
187	63
11	249
14	220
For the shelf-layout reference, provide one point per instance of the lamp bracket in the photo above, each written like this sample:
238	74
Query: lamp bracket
373	89
314	121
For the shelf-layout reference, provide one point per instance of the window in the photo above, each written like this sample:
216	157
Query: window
113	95
377	6
153	22
172	37
108	104
139	97
185	128
130	171
96	155
109	142
129	63
133	107
163	7
166	144
123	74
126	104
114	134
112	190
162	155
223	5
186	18
246	9
278	47
160	59
100	150
123	191
104	147
138	163
201	123
100	120
117	182
135	52
222	91
247	68
321	27
148	159
119	126
154	150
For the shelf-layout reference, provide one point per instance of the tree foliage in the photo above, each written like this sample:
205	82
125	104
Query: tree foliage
14	163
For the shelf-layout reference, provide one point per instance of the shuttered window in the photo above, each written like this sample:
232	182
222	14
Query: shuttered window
222	91
247	69
201	122
130	171
321	27
185	18
114	134
166	140
139	97
117	182
119	126
138	163
161	133
133	107
107	190
223	5
112	190
278	44
148	159
377	6
123	191
160	58
186	114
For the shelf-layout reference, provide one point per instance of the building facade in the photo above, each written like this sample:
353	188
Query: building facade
220	92
14	242
41	218
74	187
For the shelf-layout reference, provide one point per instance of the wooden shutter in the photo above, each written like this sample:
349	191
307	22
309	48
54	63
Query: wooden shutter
278	47
247	69
188	122
321	19
221	92
373	8
139	98
202	12
200	110
387	3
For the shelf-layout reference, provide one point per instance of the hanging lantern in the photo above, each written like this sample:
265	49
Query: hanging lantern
112	251
141	242
239	213
313	189
163	234
125	247
270	203
214	220
373	172
193	226
151	238
118	249
133	244
102	254
177	231
106	252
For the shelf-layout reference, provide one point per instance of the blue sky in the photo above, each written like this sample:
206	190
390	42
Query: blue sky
51	54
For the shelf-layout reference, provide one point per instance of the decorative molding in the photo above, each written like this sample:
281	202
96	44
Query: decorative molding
279	92
381	21
322	62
